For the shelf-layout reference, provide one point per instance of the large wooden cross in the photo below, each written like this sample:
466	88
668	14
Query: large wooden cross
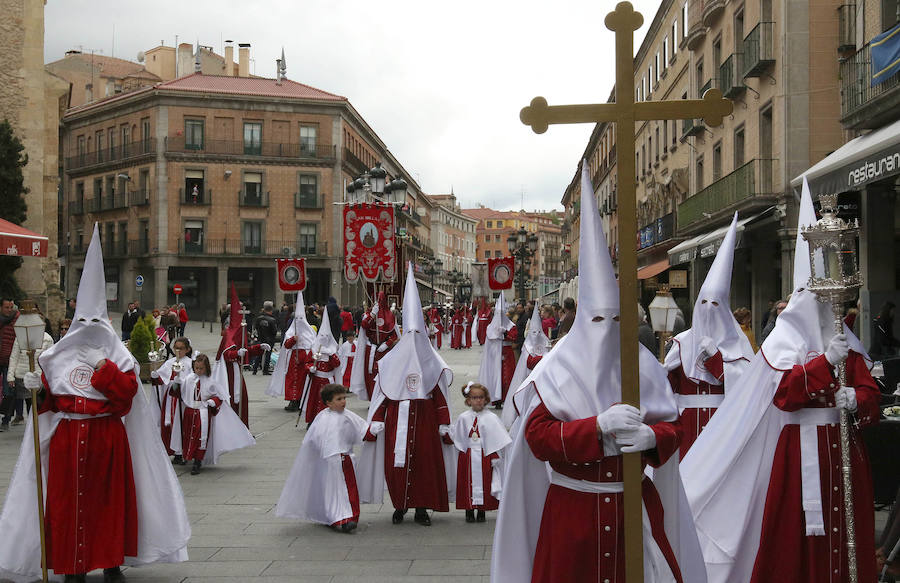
625	112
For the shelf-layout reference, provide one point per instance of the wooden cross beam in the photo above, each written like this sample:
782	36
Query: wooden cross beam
624	113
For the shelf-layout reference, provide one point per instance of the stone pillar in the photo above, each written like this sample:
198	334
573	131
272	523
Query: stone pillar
222	289
160	285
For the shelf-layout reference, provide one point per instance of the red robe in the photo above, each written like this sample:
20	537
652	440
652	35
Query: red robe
422	482
191	432
375	338
348	370
467	330
91	511
464	478
456	331
786	554
296	373
580	540
231	356
508	359
314	402
694	419
533	360
484	318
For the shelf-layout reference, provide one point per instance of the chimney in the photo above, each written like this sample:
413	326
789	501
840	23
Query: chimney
243	59
229	59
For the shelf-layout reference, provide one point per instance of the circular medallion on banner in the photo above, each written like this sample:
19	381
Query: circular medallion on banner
368	234
502	273
80	377
413	380
291	274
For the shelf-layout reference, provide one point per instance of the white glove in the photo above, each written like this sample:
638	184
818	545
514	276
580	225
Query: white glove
845	398
154	374
32	381
376	427
640	439
242	352
707	348
211	402
266	347
495	463
837	350
619	417
443	429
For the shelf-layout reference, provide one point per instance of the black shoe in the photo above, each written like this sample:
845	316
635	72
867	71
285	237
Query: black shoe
481	516
422	517
292	406
348	527
267	373
196	469
113	575
79	578
398	516
470	516
178	460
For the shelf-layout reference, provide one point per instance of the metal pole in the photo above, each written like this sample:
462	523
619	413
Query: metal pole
849	518
38	468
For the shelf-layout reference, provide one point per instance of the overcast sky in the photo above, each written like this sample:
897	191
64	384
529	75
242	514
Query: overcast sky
441	83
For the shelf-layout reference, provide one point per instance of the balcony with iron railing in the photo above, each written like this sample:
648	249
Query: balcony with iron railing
123	153
93	205
759	49
139	197
138	247
240	148
252	248
713	83
307	200
749	187
251	198
353	161
690	127
203	196
114	248
730	77
712	10
846	29
115	200
76	207
863	105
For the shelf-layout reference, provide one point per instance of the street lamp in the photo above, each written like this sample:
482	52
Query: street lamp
663	310
522	245
456	277
432	267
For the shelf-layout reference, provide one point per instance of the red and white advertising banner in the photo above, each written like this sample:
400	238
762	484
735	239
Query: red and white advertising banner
369	245
500	272
291	274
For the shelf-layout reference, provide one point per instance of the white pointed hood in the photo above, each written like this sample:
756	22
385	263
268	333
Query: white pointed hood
300	327
712	318
412	368
581	375
91	336
500	323
536	342
325	345
803	330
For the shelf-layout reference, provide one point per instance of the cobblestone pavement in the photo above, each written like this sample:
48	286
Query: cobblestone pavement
237	537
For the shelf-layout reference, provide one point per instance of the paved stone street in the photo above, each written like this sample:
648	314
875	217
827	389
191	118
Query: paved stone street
237	537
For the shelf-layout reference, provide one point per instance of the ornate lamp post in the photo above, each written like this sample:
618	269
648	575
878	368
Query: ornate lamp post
522	245
29	329
456	278
835	279
663	310
432	267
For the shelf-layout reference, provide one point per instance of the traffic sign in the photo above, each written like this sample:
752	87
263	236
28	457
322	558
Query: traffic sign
139	281
177	289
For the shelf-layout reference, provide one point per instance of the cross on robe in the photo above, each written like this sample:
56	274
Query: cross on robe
624	21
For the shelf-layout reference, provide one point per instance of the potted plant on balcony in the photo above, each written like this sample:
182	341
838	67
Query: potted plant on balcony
142	343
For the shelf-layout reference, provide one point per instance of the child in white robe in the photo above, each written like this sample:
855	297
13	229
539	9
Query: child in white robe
321	486
480	437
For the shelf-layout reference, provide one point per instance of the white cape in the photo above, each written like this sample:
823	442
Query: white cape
163	526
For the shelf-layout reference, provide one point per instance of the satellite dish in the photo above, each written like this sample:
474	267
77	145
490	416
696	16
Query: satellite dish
140	56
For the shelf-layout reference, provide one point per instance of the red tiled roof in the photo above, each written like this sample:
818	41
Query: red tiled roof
488	213
248	86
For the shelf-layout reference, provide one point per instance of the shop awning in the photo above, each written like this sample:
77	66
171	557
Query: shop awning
436	289
860	161
16	240
653	269
707	244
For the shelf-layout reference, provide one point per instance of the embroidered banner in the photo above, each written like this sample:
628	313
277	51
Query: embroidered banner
369	245
500	272
291	274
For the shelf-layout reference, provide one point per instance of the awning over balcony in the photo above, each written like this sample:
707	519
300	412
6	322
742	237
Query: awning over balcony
649	271
859	162
707	244
16	240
